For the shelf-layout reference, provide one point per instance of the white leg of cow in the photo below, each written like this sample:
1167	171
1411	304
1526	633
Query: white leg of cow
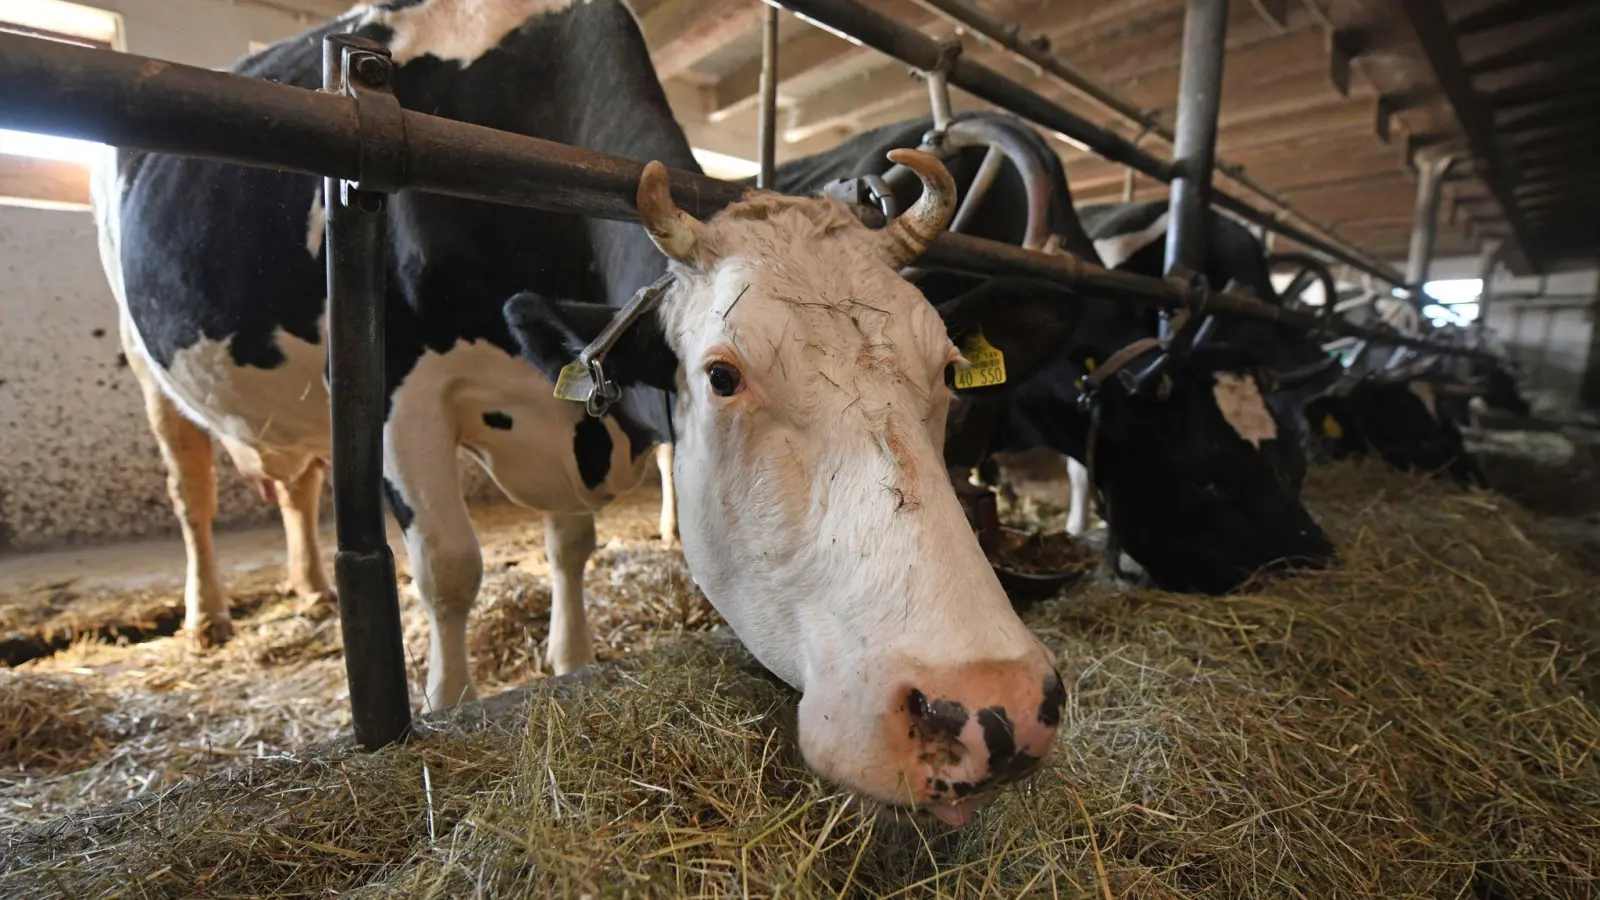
669	494
568	541
446	561
298	501
192	485
1078	512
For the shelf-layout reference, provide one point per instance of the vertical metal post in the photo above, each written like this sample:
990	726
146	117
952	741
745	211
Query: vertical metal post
768	125
1488	262
369	603
1194	153
1424	227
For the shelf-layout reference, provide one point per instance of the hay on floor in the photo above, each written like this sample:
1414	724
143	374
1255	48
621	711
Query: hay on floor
1411	723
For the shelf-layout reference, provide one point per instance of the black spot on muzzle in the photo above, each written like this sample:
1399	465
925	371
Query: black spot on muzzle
940	719
1006	763
1055	700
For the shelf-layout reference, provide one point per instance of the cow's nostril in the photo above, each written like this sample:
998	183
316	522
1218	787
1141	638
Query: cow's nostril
917	703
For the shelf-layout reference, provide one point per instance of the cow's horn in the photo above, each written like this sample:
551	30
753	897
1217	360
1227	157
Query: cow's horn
906	237
675	232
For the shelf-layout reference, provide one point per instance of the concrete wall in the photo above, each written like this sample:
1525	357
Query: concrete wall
77	461
1550	336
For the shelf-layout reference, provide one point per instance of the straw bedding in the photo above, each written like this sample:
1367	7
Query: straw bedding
1419	721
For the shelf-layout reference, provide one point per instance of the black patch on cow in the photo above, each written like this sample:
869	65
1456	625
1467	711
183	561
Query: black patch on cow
218	252
1006	762
403	514
938	719
1055	699
499	421
591	444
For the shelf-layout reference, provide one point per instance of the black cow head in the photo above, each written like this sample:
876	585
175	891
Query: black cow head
1395	420
1197	500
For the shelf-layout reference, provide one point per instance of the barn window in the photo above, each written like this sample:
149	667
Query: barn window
44	170
721	165
1455	300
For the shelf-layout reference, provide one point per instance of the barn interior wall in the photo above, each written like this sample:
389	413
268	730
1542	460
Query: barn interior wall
1551	336
77	461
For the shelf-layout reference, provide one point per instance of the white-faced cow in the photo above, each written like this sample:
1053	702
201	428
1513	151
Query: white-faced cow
803	380
1202	490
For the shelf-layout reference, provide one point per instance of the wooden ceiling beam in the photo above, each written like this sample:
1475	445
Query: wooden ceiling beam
810	54
1432	29
44	181
680	33
809	51
1562	45
1510	12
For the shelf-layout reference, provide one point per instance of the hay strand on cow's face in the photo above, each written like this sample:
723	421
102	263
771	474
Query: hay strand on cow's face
1411	722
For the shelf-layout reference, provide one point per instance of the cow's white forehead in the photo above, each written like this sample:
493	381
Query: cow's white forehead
456	30
821	312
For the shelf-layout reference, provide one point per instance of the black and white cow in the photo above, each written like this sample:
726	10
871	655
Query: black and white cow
1408	411
803	380
1195	495
1293	368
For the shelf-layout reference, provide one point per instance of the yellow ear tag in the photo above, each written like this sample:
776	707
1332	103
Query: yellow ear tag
988	365
1330	427
1088	365
574	383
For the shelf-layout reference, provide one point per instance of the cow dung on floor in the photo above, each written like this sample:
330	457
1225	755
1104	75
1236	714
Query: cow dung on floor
1418	721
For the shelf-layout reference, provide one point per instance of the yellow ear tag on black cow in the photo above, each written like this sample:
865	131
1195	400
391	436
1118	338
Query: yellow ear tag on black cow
988	365
1330	427
1088	365
574	383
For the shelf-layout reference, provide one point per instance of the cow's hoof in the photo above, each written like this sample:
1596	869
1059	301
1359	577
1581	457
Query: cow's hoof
571	662
209	634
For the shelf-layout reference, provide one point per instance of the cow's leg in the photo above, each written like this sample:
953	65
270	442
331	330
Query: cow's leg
568	541
192	485
446	562
669	494
1078	510
297	502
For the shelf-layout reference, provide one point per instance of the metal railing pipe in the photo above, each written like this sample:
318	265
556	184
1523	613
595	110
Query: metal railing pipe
1194	154
767	130
110	97
1035	52
918	50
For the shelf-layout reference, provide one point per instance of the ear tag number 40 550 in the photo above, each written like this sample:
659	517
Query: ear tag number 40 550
988	365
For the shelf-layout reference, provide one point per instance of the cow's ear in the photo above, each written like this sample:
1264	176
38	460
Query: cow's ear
1029	321
552	333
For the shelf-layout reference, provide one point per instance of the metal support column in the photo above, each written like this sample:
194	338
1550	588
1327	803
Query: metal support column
369	603
1430	177
1488	262
768	125
1205	34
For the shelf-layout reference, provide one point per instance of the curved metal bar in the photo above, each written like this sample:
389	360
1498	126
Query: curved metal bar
972	132
987	173
1319	271
1035	179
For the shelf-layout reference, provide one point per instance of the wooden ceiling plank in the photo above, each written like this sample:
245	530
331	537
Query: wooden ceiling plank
680	33
1432	29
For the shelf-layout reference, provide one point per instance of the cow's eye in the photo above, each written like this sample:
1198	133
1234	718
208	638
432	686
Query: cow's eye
725	379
